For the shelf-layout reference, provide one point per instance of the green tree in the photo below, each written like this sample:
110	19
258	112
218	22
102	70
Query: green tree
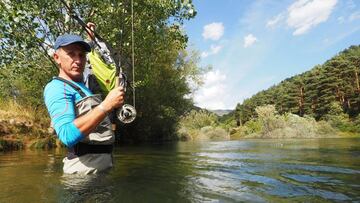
311	91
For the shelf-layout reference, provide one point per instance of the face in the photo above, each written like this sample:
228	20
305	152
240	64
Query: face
71	60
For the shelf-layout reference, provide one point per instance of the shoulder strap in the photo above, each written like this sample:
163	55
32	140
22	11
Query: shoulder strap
78	89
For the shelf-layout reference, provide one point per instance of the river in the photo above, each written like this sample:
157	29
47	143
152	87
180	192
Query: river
320	170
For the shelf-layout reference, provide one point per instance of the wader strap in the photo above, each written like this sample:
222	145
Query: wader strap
82	148
78	89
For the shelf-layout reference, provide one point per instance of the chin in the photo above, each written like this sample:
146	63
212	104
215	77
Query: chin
77	77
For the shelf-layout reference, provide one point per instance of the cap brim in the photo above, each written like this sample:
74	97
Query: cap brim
84	44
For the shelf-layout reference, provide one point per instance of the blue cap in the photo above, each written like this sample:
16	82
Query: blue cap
66	39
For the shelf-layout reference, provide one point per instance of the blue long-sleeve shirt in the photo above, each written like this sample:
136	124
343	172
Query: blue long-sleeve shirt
60	99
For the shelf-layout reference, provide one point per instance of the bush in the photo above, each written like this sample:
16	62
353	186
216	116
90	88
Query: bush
252	126
323	128
267	115
271	125
340	120
357	123
200	126
213	133
197	119
301	126
184	135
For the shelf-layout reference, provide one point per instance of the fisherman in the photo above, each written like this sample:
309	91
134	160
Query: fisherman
79	117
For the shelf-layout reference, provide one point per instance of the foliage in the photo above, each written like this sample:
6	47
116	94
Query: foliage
338	119
21	125
163	67
313	92
22	120
212	133
201	125
198	119
266	116
269	124
227	120
7	145
324	128
253	126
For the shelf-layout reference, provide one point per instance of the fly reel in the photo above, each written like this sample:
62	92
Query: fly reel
126	113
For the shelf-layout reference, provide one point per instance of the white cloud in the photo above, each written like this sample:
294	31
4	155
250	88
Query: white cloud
350	4
213	50
306	14
341	19
337	38
204	54
354	16
249	40
275	21
210	95
213	31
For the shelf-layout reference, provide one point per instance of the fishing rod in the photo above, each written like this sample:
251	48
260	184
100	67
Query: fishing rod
127	113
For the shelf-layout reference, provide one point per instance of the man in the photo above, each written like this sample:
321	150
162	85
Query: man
80	118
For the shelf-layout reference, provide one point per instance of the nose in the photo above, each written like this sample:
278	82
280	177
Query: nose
79	58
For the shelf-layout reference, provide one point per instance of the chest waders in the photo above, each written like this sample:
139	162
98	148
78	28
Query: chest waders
101	139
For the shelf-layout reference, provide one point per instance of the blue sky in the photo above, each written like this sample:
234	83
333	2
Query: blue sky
254	44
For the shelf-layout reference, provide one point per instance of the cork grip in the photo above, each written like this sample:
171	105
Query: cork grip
117	81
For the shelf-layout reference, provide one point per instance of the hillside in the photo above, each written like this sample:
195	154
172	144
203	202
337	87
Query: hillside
312	93
221	112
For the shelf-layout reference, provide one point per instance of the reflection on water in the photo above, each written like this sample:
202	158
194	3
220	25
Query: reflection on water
80	188
249	170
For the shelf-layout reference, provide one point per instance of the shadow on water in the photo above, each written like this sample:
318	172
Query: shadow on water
319	170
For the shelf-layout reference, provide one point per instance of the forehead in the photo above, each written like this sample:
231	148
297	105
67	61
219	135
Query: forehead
74	47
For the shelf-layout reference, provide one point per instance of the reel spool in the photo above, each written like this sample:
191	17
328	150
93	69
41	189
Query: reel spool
126	113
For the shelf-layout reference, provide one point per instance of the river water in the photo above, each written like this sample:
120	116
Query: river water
311	170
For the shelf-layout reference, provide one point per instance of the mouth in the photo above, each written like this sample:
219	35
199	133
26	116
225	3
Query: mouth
76	68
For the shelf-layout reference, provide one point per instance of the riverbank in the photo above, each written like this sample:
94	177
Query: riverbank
22	127
289	126
203	125
237	134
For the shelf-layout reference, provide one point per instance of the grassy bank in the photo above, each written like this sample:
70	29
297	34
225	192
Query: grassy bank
24	127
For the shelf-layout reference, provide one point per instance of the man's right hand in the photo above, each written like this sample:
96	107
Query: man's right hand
114	99
90	30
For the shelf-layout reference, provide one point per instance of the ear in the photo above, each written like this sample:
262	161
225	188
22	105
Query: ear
56	57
